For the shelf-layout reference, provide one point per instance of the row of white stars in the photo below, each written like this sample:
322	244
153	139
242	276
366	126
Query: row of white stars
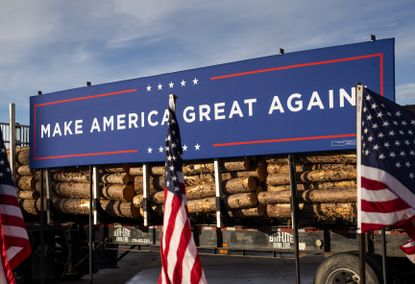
171	85
161	149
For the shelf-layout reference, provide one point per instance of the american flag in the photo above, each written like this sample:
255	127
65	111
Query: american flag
387	167
179	258
14	241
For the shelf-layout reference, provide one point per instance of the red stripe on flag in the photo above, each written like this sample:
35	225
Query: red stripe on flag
184	241
9	200
197	270
12	220
385	206
372	184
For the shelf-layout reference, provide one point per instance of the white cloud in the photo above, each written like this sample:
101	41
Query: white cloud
405	94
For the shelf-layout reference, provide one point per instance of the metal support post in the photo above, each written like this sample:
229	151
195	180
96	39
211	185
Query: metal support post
384	258
362	252
12	138
96	193
218	192
146	193
48	199
42	223
294	214
91	227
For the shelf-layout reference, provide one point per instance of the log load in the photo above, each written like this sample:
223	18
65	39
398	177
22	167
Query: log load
284	168
29	206
118	192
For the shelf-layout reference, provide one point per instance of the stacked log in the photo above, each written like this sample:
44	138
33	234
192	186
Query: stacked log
251	188
326	187
26	181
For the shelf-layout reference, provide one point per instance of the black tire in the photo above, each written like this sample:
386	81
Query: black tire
344	268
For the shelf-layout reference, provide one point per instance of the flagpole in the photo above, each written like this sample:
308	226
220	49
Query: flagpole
294	214
361	236
384	255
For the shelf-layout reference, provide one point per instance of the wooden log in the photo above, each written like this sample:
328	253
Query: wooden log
329	175
22	155
136	171
312	176
311	196
240	185
233	166
329	159
278	179
26	183
118	192
72	206
315	185
259	173
284	169
138	200
120	209
204	205
24	170
28	206
314	159
202	168
114	169
157	170
71	190
71	176
241	200
116	178
158	197
27	194
248	212
320	211
203	190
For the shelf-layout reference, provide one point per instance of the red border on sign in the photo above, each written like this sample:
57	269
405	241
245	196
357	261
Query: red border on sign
299	65
35	157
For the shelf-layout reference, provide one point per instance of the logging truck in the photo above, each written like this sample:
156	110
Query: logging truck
250	217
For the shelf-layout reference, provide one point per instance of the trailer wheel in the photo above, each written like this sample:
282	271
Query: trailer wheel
344	268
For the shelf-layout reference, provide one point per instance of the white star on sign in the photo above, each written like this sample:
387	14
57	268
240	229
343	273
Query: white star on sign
197	147
171	85
184	147
159	86
195	81
182	83
149	150
161	149
148	88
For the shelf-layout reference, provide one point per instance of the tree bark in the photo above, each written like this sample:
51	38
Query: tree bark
26	183
320	211
24	170
240	185
284	169
116	178
241	200
118	192
120	209
71	176
310	196
23	154
27	194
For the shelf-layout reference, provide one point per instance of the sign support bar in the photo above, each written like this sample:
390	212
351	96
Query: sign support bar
146	193
294	214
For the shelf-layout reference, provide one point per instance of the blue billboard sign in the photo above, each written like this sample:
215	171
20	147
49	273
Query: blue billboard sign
296	102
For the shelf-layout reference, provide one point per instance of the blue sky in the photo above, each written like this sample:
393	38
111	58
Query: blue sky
54	45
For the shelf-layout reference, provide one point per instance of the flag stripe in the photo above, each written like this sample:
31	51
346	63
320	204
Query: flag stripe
377	195
384	207
387	219
392	183
372	184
